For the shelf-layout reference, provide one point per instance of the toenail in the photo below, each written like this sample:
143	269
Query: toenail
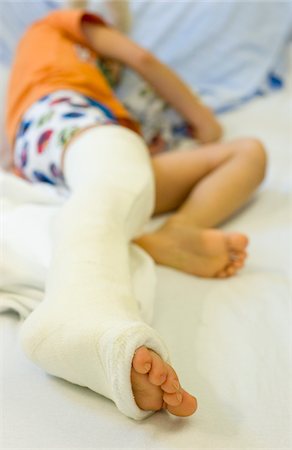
176	385
147	367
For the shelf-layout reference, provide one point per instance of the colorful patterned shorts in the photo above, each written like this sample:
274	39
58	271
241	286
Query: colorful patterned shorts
46	128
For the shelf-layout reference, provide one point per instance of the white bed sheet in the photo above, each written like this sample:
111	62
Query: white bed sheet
230	340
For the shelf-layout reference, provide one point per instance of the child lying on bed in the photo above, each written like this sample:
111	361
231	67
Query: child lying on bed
67	128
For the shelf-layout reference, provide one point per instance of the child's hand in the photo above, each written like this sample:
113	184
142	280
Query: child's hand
208	129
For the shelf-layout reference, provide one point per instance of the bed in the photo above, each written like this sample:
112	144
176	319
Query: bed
230	340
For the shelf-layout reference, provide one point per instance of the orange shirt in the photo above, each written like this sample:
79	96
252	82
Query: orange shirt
54	54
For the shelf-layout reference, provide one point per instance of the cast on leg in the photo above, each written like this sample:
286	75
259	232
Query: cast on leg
88	326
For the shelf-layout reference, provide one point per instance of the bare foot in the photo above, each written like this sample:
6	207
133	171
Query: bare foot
206	253
155	385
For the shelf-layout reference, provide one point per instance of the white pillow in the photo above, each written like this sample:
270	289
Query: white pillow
227	51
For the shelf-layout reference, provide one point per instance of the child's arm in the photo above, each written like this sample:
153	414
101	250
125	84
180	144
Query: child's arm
110	43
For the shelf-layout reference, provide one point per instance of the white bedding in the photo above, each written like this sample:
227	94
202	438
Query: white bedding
229	339
227	51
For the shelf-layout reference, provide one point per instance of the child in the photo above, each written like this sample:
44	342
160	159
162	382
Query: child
67	128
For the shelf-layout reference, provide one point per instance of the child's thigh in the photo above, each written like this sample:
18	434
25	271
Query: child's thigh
177	172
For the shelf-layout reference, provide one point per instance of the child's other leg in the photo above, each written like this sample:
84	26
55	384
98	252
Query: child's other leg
206	187
88	329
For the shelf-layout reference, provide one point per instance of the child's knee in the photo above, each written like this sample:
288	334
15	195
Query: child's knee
255	152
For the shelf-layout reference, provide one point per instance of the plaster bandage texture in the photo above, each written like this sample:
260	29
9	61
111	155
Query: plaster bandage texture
88	326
